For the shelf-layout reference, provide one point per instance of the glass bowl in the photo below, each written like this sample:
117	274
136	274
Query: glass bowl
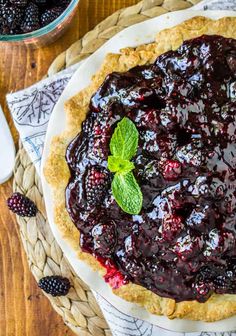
44	35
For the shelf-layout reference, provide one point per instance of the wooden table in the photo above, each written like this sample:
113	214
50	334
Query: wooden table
24	311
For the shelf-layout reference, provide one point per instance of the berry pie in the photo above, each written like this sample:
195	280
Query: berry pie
144	176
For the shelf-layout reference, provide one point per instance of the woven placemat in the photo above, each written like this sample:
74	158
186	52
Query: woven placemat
79	308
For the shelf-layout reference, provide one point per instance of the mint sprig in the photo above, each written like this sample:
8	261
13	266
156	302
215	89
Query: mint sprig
118	165
124	141
123	147
127	193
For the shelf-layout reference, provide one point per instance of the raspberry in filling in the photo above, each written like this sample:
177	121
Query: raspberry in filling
182	245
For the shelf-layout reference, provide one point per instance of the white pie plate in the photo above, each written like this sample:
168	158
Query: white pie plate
137	34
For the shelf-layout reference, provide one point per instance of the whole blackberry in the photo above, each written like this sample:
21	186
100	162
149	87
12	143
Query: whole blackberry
207	274
4	30
222	282
31	18
63	3
203	290
104	238
88	125
96	184
22	205
50	15
10	16
8	31
19	3
40	2
55	285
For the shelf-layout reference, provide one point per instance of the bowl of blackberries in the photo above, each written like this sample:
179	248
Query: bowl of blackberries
34	22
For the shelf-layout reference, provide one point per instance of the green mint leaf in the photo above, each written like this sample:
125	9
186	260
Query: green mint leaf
124	141
118	165
123	147
127	193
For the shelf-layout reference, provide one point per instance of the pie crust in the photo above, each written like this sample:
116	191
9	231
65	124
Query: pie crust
57	172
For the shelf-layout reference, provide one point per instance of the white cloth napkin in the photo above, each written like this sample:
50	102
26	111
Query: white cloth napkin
31	109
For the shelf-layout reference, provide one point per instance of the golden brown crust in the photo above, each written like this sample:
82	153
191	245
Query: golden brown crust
57	172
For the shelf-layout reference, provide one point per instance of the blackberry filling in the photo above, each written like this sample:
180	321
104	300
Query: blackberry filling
183	243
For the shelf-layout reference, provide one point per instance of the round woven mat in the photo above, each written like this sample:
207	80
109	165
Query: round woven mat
79	308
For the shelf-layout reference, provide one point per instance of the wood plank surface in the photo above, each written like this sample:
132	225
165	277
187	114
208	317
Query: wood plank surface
24	311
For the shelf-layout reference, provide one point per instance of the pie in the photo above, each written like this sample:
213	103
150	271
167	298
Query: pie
177	257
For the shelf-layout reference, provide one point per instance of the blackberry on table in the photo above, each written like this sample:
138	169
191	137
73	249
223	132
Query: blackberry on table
55	285
22	205
31	18
51	15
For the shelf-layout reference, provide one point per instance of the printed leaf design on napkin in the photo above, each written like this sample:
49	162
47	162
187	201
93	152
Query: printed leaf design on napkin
217	334
34	108
213	5
34	145
124	325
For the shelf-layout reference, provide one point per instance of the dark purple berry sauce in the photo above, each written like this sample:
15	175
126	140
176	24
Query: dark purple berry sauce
183	243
